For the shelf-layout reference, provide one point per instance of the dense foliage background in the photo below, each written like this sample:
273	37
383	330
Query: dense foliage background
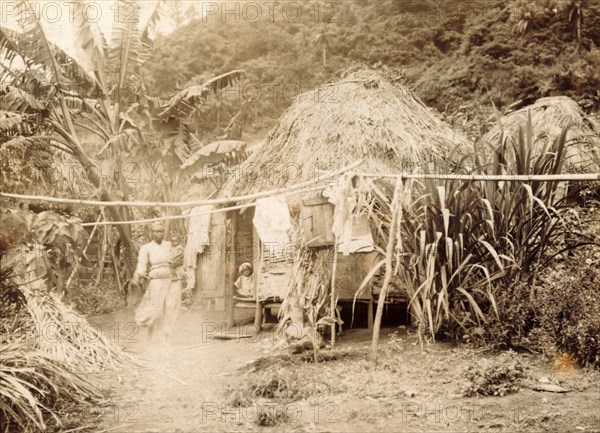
462	58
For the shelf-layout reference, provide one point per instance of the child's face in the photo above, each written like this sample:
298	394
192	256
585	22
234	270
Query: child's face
175	240
246	272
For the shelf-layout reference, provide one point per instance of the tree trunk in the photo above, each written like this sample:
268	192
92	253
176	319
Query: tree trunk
114	213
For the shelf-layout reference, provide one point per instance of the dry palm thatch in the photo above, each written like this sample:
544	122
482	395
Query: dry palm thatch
360	117
36	386
549	116
308	284
65	336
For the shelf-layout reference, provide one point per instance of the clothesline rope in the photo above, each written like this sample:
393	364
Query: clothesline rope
300	188
325	178
166	218
175	217
578	177
479	177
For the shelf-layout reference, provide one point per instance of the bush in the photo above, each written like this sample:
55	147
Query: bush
499	376
516	317
569	314
269	416
89	299
40	387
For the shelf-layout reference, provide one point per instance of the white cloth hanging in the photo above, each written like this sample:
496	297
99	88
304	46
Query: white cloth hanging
272	221
351	230
360	239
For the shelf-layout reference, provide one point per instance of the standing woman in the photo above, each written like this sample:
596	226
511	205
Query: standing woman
160	304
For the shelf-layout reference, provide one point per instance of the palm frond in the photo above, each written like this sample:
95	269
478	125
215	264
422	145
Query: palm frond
34	140
183	103
148	30
9	52
90	44
124	56
80	104
17	99
230	152
121	142
21	56
36	45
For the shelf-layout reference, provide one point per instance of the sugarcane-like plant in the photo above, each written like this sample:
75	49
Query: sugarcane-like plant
462	242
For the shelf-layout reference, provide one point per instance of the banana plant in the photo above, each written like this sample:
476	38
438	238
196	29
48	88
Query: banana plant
40	246
102	93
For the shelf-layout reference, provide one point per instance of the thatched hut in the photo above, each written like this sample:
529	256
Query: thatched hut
361	117
548	118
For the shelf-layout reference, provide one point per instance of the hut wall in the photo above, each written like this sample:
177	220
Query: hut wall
316	217
212	271
351	271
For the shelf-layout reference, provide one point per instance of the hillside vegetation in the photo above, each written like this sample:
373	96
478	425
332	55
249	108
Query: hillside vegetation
460	58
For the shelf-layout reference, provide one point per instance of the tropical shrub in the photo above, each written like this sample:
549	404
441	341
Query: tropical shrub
497	376
43	341
97	108
43	245
568	313
516	316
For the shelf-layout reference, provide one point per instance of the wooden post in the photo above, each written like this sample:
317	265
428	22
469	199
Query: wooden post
370	312
70	280
116	268
232	270
258	316
103	246
333	303
394	207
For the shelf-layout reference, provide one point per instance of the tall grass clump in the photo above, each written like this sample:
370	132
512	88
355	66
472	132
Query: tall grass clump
466	243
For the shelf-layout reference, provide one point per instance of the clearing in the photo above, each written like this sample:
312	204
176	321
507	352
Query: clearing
213	380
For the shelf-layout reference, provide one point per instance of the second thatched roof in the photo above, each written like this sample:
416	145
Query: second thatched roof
363	116
548	117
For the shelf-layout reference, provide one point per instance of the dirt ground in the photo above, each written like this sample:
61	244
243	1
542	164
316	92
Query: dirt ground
182	387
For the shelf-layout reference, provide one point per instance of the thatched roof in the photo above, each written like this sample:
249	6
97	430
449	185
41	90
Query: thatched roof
360	117
548	117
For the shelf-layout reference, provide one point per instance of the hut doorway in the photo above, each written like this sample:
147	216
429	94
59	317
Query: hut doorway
394	314
244	243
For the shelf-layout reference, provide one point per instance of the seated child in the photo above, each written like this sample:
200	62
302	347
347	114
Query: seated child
243	284
175	257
